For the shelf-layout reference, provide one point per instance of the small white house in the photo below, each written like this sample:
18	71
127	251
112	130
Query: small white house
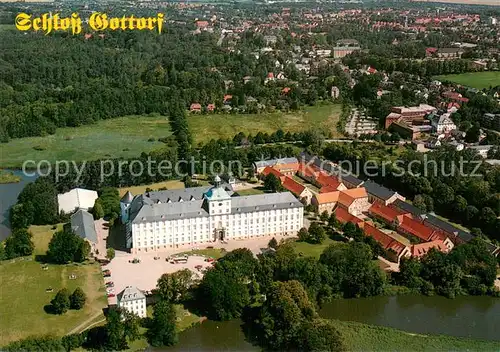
133	300
77	198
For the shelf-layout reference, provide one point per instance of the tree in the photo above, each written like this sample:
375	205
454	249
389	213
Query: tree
65	246
321	335
77	299
162	331
110	253
352	270
174	287
303	235
272	183
97	210
222	294
61	303
273	243
324	216
279	321
317	233
19	244
332	220
121	325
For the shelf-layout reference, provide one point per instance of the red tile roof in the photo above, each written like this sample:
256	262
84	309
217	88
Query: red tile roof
385	212
325	198
348	196
343	216
308	170
417	229
293	186
386	241
419	250
271	170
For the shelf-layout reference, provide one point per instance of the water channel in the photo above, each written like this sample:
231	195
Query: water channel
472	317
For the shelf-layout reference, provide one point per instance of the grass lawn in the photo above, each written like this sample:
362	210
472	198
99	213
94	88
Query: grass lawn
251	191
24	297
207	127
363	337
135	190
4	27
42	236
209	252
121	137
477	80
312	250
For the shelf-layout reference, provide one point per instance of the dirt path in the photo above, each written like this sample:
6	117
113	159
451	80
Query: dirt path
83	326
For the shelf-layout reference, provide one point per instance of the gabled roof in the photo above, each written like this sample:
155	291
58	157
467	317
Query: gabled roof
447	227
419	250
385	212
326	198
378	191
343	216
271	170
273	162
407	207
418	229
130	293
386	241
82	224
347	197
293	186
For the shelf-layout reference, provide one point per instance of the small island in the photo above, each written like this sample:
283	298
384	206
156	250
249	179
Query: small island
8	177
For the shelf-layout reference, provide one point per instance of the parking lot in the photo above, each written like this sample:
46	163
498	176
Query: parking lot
145	274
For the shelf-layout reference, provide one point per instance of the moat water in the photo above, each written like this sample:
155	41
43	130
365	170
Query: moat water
8	197
472	317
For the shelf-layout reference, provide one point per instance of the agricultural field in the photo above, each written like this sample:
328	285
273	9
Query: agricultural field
477	80
121	137
206	127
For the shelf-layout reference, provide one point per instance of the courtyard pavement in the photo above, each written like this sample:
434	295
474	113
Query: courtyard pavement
144	275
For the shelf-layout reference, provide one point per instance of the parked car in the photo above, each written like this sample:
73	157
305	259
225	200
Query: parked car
111	295
209	260
110	284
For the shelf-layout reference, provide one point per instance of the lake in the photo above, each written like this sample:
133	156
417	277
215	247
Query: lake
469	316
8	197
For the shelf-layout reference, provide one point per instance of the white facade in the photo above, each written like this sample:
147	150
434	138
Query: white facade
216	217
133	300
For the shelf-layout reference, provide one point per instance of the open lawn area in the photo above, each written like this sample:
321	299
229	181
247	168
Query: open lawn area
23	293
251	191
215	126
209	252
477	80
135	190
363	337
121	137
312	250
24	297
42	236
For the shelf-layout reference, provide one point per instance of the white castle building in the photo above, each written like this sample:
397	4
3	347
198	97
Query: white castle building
203	215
